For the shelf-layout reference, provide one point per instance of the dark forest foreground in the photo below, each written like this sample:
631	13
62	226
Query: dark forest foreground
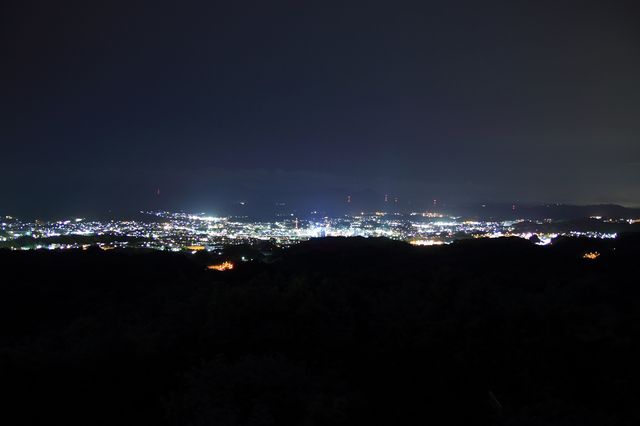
336	332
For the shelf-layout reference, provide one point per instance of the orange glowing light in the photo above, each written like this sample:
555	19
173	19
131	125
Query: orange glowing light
195	248
591	255
224	266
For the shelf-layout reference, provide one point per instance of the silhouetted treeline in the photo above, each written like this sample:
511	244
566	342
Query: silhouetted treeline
329	332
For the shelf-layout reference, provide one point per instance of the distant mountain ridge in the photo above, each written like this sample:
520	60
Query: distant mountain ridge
502	211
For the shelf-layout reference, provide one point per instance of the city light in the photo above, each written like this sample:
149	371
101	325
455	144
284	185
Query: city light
193	233
426	242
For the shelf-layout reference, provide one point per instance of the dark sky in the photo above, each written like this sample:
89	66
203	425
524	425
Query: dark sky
305	102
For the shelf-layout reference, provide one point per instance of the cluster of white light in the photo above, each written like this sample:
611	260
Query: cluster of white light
183	231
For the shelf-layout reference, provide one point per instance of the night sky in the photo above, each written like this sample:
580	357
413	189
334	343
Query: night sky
102	103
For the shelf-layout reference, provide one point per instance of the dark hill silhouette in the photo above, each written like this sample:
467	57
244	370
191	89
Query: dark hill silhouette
564	212
331	331
582	225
